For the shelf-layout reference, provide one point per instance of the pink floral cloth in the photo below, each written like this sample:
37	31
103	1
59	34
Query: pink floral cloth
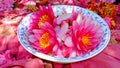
13	55
6	5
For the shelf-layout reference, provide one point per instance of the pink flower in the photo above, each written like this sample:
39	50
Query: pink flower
108	21
6	5
111	23
107	1
76	34
43	15
13	16
118	9
44	39
65	47
4	58
82	3
21	53
64	36
69	2
63	51
28	2
55	1
86	35
117	38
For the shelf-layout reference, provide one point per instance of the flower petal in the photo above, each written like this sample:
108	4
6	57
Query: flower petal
60	18
73	54
55	48
31	38
57	29
63	29
69	42
79	19
37	31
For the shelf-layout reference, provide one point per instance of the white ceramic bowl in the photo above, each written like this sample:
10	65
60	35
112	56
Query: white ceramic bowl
58	9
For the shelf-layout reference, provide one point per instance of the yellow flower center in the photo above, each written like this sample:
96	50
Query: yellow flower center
42	20
86	40
44	40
